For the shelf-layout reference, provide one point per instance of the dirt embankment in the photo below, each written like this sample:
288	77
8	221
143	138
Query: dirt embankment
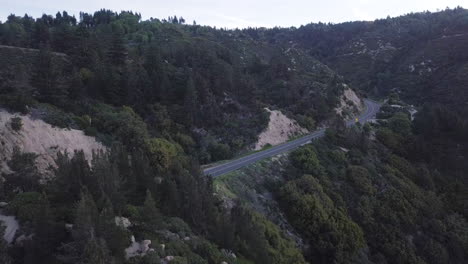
280	129
43	139
350	104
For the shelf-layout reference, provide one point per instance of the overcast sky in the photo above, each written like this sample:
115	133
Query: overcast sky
237	13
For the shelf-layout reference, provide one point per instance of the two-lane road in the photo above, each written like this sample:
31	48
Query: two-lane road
371	109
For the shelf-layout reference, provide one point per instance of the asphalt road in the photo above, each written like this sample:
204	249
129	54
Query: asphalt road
371	109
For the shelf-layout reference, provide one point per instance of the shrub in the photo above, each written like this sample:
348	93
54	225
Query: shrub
16	123
26	205
56	116
162	152
219	151
305	158
91	131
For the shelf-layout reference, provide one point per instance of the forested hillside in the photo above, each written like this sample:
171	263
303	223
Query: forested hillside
383	193
165	96
422	55
202	88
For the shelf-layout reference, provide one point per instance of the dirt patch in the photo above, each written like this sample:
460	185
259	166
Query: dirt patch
43	139
350	104
280	129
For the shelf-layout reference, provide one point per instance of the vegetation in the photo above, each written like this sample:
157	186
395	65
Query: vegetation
16	123
384	200
165	97
198	86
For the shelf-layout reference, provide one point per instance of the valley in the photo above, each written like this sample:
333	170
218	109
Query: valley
128	140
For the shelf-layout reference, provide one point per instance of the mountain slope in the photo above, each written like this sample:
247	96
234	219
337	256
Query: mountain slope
420	55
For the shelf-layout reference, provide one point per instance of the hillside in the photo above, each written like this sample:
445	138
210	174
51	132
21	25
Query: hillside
162	98
420	55
366	194
222	79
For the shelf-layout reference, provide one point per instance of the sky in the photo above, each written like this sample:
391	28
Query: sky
237	13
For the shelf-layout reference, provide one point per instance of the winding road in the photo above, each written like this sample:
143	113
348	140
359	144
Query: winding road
372	108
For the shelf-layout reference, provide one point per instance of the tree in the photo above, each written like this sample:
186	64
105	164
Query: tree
335	236
4	257
191	103
46	80
150	215
96	252
306	159
117	52
115	237
86	220
25	176
162	153
109	180
138	83
47	235
400	123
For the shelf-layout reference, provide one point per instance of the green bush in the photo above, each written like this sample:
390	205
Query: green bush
360	179
219	151
56	116
16	123
91	131
162	152
400	123
26	206
83	122
305	158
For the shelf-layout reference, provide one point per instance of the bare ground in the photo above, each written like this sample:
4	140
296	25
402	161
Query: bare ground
43	139
280	129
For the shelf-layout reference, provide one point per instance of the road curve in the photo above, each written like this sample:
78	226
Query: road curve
371	109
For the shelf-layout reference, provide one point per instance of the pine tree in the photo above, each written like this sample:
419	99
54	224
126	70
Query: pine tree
150	213
96	252
190	103
116	238
117	53
4	257
47	235
138	81
45	79
154	68
86	219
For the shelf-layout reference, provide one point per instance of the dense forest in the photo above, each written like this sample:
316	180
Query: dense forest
200	87
165	96
393	192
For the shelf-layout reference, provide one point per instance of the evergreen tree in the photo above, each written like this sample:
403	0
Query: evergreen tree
150	213
4	257
47	235
138	83
156	73
116	238
117	52
96	252
191	103
46	80
86	220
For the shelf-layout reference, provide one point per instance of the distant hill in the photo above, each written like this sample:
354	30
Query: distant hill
421	55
